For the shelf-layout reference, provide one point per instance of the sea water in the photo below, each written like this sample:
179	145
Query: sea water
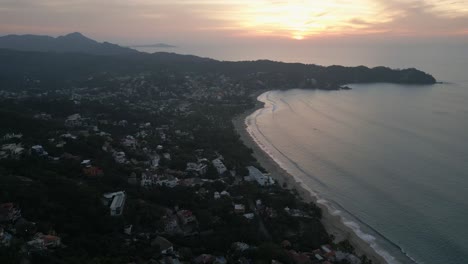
392	160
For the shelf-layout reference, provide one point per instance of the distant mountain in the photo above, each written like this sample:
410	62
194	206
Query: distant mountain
74	42
159	45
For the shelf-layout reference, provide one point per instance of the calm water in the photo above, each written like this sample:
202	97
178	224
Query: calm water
391	159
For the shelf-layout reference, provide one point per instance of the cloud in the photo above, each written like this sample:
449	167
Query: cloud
216	20
424	18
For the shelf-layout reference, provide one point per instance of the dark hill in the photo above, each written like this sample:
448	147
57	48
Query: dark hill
74	56
74	42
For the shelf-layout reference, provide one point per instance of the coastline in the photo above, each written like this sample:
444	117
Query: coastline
332	223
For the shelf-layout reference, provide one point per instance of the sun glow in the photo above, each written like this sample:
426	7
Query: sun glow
298	19
298	37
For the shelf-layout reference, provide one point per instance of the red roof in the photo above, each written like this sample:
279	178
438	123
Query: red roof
185	213
50	238
7	206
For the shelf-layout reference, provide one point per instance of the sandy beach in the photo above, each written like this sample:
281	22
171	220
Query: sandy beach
333	224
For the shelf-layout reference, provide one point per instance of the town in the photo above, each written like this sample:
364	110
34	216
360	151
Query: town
146	168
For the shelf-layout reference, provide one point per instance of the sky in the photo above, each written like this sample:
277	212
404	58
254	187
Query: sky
205	23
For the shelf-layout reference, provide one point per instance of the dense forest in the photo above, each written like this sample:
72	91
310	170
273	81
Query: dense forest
19	68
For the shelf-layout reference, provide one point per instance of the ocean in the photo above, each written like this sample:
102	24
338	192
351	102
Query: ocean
391	159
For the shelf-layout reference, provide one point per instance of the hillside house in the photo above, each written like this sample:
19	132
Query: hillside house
115	201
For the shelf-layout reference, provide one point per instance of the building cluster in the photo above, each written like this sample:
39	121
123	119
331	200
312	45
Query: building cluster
15	227
154	138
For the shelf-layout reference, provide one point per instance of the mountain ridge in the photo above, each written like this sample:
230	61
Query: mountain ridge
74	54
73	42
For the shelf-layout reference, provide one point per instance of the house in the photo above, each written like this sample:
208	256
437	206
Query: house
186	216
220	260
86	163
199	168
239	208
296	213
171	225
115	201
259	177
5	238
129	142
239	246
68	136
43	116
299	258
74	120
326	249
147	180
225	193
169	260
249	216
12	136
41	241
141	134
93	171
128	229
12	150
119	157
204	259
165	246
38	150
192	182
341	256
219	165
155	161
168	181
9	212
258	204
132	180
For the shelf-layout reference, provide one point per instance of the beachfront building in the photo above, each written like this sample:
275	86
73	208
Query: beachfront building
256	175
115	201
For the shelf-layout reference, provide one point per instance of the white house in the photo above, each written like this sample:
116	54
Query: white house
239	208
168	181
249	216
115	201
129	142
12	150
74	121
219	165
119	157
259	177
12	136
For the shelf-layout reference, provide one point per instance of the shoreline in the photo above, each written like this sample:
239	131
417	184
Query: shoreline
332	223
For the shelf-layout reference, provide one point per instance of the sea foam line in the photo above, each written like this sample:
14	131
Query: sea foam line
250	124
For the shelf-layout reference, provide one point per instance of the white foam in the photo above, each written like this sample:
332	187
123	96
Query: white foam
354	226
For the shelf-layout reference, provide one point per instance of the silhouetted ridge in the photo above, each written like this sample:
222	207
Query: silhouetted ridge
73	42
74	56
